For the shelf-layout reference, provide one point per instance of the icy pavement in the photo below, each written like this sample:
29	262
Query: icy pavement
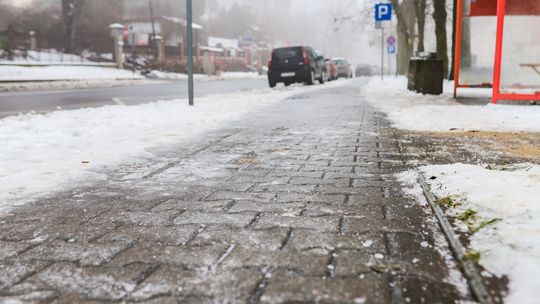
295	203
41	154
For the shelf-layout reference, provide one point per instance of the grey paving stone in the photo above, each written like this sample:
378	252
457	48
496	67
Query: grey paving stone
30	297
159	219
284	188
176	205
264	239
84	253
305	263
12	249
367	191
220	286
172	235
307	239
322	223
12	271
243	206
287	287
420	290
355	224
108	283
185	256
196	217
416	254
362	211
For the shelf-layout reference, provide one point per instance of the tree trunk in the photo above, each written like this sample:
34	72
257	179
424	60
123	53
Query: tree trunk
71	9
439	16
420	7
405	14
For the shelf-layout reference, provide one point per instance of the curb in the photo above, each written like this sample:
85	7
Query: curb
474	279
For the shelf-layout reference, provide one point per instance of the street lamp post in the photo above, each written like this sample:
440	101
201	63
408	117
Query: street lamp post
189	36
118	51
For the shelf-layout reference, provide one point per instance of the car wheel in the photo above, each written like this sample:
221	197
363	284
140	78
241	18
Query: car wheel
311	80
323	78
271	83
287	84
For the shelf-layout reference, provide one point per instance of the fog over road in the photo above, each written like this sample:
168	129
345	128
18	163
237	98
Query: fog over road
12	103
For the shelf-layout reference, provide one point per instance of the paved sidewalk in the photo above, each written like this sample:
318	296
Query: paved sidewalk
296	204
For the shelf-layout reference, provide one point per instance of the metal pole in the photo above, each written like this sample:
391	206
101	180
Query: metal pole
190	50
382	53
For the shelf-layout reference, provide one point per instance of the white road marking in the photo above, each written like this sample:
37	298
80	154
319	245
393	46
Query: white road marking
118	101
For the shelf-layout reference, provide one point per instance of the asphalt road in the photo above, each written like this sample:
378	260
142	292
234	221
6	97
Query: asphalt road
12	103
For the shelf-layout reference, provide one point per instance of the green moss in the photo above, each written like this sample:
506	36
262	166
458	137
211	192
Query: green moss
468	216
474	229
447	201
473	256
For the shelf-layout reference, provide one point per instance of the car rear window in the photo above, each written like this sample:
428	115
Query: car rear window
287	53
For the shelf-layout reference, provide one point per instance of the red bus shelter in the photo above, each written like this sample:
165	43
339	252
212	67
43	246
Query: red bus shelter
498	46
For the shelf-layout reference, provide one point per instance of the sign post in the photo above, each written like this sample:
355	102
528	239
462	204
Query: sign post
189	41
383	12
391	48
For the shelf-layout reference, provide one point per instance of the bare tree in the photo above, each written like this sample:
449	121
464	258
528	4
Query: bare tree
71	9
406	17
440	18
420	6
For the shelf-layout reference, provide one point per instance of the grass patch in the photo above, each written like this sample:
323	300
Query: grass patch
447	201
468	216
483	224
473	256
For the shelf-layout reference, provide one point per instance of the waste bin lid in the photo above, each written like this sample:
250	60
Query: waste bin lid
426	55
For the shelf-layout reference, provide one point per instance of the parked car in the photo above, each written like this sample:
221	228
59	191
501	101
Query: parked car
343	67
331	69
299	64
364	70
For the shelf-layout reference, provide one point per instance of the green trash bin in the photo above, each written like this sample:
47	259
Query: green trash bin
426	74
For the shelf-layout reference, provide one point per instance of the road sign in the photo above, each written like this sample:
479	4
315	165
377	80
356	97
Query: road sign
391	49
391	40
383	12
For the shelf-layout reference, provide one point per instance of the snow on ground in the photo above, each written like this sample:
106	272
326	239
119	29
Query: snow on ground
41	154
510	196
22	73
155	74
416	112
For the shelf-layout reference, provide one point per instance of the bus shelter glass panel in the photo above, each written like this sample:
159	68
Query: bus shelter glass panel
520	61
479	28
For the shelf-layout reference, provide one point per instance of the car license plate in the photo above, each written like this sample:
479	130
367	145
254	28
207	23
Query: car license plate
290	74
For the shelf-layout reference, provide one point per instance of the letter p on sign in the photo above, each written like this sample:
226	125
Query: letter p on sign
383	12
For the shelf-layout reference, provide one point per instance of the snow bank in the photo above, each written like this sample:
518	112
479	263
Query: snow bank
511	245
223	76
411	111
21	73
40	154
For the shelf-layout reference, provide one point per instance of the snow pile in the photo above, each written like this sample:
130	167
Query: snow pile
411	111
41	153
21	73
155	74
505	203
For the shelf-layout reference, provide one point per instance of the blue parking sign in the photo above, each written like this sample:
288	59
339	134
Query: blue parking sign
383	12
391	49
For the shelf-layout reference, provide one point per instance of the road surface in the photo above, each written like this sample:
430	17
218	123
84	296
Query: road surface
12	103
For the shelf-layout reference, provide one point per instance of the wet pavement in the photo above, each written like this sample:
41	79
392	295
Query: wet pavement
297	203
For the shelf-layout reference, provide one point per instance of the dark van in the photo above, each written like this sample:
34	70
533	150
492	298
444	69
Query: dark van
295	64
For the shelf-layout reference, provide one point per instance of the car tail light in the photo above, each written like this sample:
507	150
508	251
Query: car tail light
304	54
